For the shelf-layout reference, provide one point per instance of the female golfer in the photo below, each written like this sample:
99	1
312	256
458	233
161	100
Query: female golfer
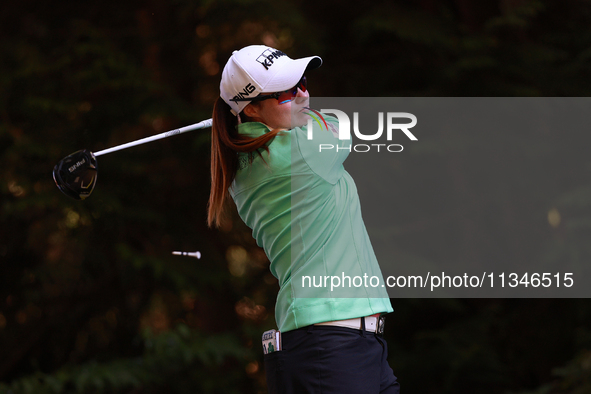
303	209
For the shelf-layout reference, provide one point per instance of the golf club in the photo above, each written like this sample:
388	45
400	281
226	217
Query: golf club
75	175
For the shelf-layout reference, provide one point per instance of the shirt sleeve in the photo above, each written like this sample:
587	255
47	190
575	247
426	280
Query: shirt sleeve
322	150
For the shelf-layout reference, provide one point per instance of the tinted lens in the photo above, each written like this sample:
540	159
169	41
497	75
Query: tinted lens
303	84
286	96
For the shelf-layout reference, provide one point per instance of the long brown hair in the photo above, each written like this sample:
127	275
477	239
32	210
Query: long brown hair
226	142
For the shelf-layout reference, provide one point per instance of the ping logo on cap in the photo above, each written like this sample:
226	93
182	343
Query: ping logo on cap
246	91
266	58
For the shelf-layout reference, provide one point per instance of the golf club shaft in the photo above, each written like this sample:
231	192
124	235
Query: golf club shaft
201	125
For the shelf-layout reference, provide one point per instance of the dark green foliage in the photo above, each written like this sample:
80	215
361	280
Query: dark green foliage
175	361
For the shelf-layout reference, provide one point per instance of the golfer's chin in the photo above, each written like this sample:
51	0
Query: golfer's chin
299	114
299	119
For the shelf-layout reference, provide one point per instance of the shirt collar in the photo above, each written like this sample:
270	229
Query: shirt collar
253	129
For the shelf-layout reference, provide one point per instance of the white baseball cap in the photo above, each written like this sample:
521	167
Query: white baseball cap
258	68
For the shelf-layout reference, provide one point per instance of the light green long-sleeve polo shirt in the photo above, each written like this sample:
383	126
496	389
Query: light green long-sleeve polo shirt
304	211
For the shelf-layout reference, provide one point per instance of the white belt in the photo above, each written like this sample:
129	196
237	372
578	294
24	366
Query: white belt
371	323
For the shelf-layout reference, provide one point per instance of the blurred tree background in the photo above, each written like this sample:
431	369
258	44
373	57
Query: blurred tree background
91	301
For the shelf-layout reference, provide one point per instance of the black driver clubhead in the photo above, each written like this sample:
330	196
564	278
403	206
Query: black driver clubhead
75	175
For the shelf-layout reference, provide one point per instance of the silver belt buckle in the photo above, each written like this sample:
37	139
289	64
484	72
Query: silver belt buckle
381	323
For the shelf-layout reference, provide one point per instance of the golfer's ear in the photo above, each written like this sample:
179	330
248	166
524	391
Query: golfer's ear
252	111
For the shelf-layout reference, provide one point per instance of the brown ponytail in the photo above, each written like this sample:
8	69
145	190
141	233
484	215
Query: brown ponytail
226	142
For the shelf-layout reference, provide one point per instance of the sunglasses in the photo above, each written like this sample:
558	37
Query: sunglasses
282	97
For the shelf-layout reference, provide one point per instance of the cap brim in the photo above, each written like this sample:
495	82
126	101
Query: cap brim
291	73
